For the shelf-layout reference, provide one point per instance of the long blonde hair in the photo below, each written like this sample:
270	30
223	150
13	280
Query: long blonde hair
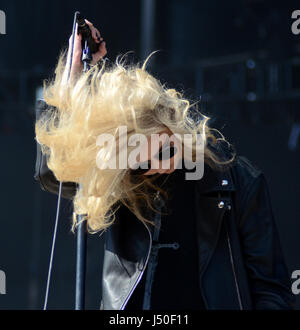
98	102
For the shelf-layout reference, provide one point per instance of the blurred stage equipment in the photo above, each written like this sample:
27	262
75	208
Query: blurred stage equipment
254	86
148	8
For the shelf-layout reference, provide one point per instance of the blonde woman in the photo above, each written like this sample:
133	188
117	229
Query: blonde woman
171	242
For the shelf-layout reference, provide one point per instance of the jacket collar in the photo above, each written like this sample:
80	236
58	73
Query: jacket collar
212	200
128	243
215	180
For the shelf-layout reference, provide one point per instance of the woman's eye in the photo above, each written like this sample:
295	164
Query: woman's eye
166	153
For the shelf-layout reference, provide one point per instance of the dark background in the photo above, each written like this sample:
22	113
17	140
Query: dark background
240	57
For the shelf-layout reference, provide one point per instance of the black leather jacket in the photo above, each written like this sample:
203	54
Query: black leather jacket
241	265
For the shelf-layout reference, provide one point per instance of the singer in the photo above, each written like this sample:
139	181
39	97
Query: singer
171	243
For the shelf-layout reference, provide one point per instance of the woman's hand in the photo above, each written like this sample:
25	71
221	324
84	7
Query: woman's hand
77	65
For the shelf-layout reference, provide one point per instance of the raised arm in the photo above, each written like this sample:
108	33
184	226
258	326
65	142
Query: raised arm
43	174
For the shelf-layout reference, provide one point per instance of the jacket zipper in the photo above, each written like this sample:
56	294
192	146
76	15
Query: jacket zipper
234	272
142	272
147	259
145	265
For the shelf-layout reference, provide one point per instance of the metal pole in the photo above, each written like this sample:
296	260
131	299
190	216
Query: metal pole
147	27
80	263
86	58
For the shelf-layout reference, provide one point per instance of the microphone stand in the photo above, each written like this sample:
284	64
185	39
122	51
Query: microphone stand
81	251
88	47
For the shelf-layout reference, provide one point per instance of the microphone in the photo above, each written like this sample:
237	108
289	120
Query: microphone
85	31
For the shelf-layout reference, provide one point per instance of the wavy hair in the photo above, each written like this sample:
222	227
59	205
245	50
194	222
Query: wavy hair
98	102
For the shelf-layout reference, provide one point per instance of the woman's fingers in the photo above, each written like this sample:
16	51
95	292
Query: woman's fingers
88	23
77	64
77	50
97	38
94	31
100	53
96	35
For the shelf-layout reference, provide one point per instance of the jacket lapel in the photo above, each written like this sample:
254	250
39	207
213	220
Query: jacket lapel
212	199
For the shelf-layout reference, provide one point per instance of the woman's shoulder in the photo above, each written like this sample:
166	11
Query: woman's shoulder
245	171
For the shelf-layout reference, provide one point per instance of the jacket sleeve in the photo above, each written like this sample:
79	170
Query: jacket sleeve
263	257
42	173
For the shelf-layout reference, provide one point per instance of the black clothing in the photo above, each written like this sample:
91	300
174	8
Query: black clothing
241	265
173	288
240	260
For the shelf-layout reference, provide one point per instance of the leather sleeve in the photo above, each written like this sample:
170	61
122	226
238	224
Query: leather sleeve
42	173
263	257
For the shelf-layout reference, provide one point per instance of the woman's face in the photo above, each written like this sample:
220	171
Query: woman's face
158	154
